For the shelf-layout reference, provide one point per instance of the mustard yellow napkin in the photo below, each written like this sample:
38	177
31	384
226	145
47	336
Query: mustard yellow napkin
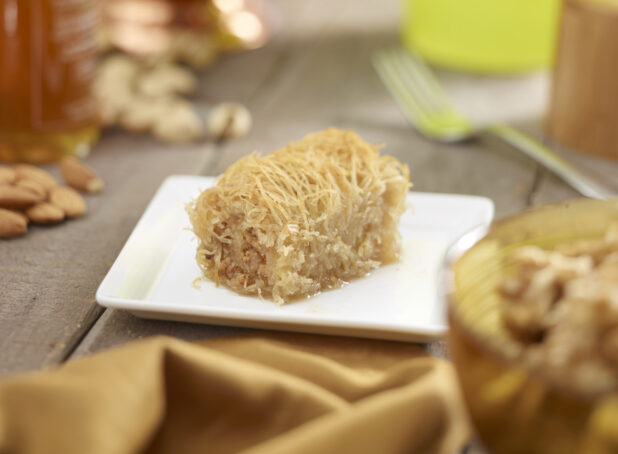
259	393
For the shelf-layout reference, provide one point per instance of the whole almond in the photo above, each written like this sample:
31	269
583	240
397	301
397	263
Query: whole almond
7	175
45	213
79	175
30	172
68	200
22	215
33	186
18	198
12	223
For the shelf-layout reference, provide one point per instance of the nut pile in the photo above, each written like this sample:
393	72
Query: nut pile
562	308
31	194
146	97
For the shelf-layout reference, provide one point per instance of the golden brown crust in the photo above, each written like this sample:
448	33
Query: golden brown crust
305	218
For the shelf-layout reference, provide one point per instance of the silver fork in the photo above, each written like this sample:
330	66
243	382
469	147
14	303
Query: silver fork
431	112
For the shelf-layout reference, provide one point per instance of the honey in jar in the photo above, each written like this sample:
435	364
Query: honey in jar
47	64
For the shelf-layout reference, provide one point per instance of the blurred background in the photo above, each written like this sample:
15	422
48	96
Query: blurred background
73	68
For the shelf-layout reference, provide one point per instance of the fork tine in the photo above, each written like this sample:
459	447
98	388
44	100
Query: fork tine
420	97
420	75
415	92
424	77
411	82
391	77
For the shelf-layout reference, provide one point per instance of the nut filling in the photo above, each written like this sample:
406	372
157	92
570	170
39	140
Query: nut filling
561	307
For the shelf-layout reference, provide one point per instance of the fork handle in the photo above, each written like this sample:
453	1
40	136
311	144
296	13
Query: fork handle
551	161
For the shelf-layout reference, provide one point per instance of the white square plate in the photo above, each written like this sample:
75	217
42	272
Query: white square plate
154	274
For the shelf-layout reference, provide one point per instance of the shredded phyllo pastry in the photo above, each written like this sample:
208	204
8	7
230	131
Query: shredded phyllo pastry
562	309
305	218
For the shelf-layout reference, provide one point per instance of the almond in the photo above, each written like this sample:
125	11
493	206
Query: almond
45	213
7	175
68	200
30	172
12	223
165	80
80	176
229	121
33	186
181	123
16	197
22	215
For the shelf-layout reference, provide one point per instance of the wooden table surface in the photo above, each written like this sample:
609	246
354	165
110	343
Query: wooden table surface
314	73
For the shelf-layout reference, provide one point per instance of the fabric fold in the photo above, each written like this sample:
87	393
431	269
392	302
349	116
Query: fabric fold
257	393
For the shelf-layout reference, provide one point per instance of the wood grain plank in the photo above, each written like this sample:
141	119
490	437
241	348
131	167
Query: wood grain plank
117	327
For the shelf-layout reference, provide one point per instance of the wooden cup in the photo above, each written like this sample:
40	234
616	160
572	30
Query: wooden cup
583	110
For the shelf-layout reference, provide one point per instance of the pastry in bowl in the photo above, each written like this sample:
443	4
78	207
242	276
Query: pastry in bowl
533	318
560	307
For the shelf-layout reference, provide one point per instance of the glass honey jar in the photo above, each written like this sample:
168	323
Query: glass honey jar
47	65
